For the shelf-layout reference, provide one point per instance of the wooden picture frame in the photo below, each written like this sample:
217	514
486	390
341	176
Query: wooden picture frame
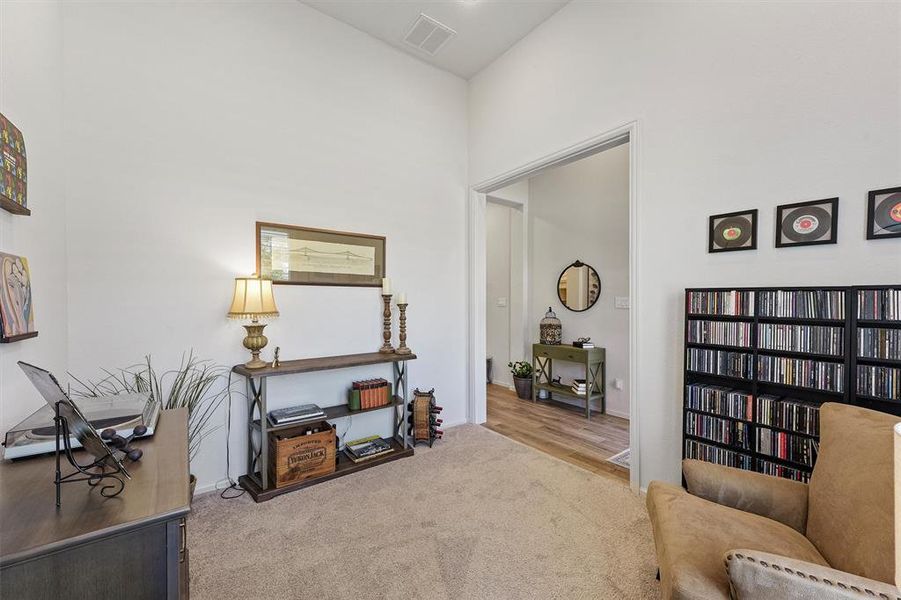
16	301
741	224
884	213
294	255
807	223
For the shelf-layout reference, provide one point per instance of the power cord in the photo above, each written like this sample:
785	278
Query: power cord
233	485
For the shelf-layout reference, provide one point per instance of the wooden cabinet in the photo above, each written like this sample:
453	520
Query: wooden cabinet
131	546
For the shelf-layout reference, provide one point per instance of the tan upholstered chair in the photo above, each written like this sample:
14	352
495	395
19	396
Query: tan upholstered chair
751	536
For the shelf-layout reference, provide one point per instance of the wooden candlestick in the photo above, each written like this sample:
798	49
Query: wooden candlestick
402	348
387	348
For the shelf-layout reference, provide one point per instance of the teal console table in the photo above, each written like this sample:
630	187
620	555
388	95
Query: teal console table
593	361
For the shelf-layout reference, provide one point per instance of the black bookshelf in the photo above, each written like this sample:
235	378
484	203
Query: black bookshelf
849	309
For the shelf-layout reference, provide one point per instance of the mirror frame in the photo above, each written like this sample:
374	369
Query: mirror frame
578	263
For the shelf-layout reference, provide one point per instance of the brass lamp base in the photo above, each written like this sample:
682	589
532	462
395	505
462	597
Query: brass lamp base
255	341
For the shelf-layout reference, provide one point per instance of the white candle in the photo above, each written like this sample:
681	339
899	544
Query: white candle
386	287
402	298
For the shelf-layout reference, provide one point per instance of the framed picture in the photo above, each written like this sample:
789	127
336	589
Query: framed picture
13	169
807	223
884	214
734	231
16	309
304	256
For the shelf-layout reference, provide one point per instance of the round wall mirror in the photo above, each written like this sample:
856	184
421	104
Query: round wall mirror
579	286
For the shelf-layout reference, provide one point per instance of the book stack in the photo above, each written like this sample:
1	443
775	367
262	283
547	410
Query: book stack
583	344
370	393
367	449
579	387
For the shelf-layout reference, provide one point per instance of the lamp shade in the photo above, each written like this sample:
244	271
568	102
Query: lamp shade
253	299
898	505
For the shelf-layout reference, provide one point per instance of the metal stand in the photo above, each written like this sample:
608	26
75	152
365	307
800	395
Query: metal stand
93	478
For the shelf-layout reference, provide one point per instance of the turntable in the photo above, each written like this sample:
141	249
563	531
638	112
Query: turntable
122	412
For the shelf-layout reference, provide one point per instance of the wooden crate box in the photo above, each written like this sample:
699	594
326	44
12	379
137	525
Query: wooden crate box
296	456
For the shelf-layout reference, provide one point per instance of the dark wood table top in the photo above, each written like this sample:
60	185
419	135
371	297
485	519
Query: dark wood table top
324	363
159	490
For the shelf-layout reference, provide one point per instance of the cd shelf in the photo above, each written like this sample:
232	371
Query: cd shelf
760	364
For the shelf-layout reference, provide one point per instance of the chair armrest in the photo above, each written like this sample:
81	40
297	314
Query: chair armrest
757	575
775	498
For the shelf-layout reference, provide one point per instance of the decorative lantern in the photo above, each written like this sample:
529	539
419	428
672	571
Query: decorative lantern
551	329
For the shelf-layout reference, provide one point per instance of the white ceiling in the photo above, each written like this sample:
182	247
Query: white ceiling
485	28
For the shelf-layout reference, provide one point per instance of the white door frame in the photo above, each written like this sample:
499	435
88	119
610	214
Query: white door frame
477	408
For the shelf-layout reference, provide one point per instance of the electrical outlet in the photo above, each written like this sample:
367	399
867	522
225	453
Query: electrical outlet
618	383
621	302
502	301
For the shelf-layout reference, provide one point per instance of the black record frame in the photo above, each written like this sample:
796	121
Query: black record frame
751	214
871	214
782	209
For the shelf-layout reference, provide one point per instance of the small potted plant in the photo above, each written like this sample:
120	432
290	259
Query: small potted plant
522	378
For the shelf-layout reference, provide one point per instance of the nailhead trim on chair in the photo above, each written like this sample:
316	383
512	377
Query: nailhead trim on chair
843	586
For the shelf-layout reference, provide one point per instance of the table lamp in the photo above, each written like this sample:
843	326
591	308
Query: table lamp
898	505
253	300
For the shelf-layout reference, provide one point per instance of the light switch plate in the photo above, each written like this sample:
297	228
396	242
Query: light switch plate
621	302
502	302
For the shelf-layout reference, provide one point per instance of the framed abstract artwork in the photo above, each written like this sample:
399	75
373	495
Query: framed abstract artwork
730	232
13	169
884	214
16	307
807	223
288	254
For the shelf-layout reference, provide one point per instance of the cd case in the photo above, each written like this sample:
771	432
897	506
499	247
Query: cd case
37	433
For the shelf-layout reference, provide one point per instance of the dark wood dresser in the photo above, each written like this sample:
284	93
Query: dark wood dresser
132	546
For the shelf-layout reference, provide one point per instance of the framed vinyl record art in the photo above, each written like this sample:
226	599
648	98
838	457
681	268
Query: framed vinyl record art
16	310
884	214
734	231
807	223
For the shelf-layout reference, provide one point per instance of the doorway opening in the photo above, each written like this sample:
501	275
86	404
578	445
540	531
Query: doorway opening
554	240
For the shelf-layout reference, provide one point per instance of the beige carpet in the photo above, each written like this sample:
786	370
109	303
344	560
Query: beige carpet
478	516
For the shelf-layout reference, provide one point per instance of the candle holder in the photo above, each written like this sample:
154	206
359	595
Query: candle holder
402	348
386	348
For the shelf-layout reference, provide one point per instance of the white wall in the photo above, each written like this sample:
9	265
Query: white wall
31	97
739	105
498	274
581	211
188	122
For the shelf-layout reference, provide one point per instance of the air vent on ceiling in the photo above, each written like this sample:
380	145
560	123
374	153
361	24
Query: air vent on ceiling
428	35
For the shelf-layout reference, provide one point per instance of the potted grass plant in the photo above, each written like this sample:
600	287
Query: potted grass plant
197	385
522	378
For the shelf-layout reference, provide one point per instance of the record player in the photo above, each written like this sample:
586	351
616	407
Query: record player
122	412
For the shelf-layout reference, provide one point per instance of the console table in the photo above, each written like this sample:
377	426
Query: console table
256	481
593	361
130	546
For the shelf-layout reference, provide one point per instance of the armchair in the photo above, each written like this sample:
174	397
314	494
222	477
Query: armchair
750	536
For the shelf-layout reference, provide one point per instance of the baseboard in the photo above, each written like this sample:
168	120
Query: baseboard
616	413
211	487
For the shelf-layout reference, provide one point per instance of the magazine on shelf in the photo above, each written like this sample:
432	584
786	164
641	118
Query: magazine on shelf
367	448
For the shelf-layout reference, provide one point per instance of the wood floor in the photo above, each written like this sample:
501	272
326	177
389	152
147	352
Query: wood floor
560	431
